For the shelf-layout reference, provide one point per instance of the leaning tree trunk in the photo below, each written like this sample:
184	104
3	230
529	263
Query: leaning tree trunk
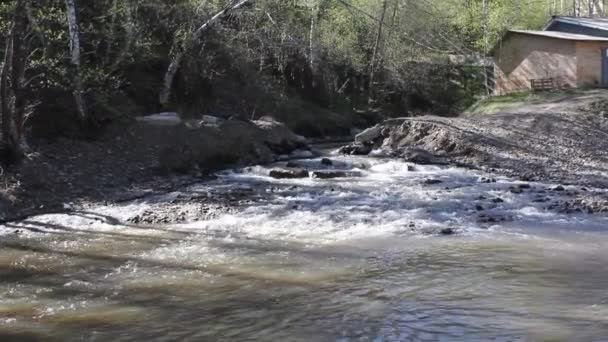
165	93
77	84
376	51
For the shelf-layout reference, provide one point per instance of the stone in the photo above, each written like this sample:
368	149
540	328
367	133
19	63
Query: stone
559	188
335	174
169	119
369	135
356	149
524	186
432	181
498	200
479	207
327	162
278	137
447	231
515	190
288	173
421	157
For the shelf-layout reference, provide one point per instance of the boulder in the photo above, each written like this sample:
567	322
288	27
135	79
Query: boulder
421	157
232	143
278	137
161	119
327	162
356	149
447	231
216	143
293	173
335	174
369	135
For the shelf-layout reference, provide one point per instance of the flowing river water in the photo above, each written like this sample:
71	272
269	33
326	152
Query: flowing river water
353	259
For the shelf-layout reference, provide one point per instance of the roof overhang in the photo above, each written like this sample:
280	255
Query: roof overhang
552	35
582	21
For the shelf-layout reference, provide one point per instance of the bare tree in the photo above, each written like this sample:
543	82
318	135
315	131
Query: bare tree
372	64
165	93
13	100
486	39
77	84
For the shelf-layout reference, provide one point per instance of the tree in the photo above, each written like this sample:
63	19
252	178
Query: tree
77	84
13	98
165	93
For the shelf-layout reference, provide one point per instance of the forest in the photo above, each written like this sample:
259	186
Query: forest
70	68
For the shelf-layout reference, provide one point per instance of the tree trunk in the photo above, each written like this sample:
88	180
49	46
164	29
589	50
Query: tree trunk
485	46
165	93
77	84
311	35
12	96
372	64
8	125
113	16
19	62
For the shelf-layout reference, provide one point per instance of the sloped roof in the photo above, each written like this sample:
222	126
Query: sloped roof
562	35
550	34
600	23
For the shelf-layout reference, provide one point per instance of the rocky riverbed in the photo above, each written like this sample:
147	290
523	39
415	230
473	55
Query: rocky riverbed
154	155
531	143
385	249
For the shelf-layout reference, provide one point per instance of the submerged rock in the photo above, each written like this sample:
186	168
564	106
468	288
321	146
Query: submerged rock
288	173
327	162
447	231
335	174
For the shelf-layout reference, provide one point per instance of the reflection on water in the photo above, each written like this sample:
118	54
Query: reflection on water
352	260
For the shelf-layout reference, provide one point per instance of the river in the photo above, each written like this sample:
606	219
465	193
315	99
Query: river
354	259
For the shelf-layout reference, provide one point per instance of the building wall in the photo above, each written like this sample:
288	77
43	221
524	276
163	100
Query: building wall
522	57
589	63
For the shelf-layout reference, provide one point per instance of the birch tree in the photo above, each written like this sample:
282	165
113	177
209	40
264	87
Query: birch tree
77	83
13	101
376	51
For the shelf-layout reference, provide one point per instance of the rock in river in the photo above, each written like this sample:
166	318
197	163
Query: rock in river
335	174
356	149
327	162
288	173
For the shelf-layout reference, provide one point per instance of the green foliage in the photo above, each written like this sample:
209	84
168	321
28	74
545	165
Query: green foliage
257	58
